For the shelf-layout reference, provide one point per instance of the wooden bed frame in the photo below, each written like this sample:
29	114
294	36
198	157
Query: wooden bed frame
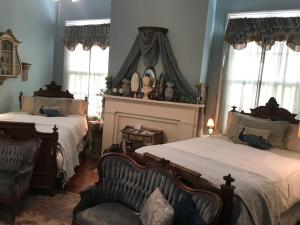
193	179
45	173
270	111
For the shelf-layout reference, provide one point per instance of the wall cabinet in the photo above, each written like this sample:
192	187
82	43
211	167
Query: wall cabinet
10	65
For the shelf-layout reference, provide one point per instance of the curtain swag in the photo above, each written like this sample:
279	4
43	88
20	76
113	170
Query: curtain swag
149	44
264	31
87	35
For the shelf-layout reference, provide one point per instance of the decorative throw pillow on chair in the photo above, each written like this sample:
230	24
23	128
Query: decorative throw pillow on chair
157	210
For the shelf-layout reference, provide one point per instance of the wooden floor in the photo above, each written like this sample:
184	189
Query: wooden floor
85	176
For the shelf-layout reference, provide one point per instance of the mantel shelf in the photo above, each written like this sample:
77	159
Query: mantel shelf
154	102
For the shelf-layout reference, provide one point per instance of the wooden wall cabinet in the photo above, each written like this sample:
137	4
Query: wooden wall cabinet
10	65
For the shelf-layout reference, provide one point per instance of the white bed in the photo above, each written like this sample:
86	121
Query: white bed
71	130
267	182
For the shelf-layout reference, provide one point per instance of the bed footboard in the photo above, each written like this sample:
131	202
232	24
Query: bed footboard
193	179
44	176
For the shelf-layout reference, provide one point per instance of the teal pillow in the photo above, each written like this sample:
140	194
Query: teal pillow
50	112
186	212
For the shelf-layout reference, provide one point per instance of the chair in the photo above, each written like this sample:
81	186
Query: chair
17	159
124	186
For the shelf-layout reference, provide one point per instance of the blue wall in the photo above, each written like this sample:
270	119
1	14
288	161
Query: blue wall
33	23
222	9
81	10
187	23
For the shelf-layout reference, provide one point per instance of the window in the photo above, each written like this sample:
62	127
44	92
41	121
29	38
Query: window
254	74
85	72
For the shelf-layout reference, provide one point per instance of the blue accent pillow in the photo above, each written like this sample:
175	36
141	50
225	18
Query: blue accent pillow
186	212
254	141
50	112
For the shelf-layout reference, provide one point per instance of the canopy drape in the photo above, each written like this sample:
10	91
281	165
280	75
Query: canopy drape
149	44
87	35
264	31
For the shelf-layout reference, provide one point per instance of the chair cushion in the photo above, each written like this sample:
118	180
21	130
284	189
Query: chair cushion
6	180
108	214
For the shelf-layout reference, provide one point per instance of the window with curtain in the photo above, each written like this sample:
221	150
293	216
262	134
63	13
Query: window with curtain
85	70
256	71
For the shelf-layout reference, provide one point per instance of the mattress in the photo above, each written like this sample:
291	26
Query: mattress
71	130
267	182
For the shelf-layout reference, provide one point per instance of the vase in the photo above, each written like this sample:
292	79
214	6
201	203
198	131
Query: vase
169	93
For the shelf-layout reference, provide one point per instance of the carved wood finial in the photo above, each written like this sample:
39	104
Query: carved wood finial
229	180
55	129
233	108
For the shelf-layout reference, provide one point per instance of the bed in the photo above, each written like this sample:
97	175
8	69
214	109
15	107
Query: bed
62	137
267	181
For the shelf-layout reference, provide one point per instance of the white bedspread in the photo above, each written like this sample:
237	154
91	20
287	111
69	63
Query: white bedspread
267	182
71	130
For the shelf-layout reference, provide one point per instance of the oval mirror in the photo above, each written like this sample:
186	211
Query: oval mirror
135	83
151	73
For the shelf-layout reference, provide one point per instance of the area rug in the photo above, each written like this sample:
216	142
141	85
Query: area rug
44	210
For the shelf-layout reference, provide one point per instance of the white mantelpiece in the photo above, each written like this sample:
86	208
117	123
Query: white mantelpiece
179	121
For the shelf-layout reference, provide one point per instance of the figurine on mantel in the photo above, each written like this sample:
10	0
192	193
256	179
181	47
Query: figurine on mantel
126	87
147	86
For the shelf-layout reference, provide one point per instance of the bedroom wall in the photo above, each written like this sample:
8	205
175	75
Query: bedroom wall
81	10
187	24
33	23
222	9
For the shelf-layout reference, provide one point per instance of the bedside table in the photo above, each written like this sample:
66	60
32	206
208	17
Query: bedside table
136	138
95	138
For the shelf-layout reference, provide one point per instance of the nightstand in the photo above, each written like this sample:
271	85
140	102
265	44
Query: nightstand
136	138
95	138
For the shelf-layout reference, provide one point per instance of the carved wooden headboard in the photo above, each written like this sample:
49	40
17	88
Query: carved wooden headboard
273	112
52	91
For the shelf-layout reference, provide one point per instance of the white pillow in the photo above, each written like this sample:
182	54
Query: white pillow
78	107
60	104
27	104
291	139
277	128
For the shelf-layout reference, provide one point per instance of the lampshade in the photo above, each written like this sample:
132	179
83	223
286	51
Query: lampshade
210	123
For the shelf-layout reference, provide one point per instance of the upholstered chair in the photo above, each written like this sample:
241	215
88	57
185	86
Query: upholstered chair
17	159
124	186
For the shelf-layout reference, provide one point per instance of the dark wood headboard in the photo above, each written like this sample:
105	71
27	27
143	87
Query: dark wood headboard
52	91
273	112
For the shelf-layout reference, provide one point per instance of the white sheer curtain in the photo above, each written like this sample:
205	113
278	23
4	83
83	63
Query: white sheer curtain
253	75
281	77
85	73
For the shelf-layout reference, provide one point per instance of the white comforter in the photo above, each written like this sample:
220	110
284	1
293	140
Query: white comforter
71	130
267	182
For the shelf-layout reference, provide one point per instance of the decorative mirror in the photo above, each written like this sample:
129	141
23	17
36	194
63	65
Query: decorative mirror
150	71
10	65
135	83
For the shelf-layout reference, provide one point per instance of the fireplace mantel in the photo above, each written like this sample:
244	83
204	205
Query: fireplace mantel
179	121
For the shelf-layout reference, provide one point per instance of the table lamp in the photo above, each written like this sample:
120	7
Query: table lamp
210	124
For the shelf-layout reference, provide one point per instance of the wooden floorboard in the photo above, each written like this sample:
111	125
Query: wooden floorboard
85	176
